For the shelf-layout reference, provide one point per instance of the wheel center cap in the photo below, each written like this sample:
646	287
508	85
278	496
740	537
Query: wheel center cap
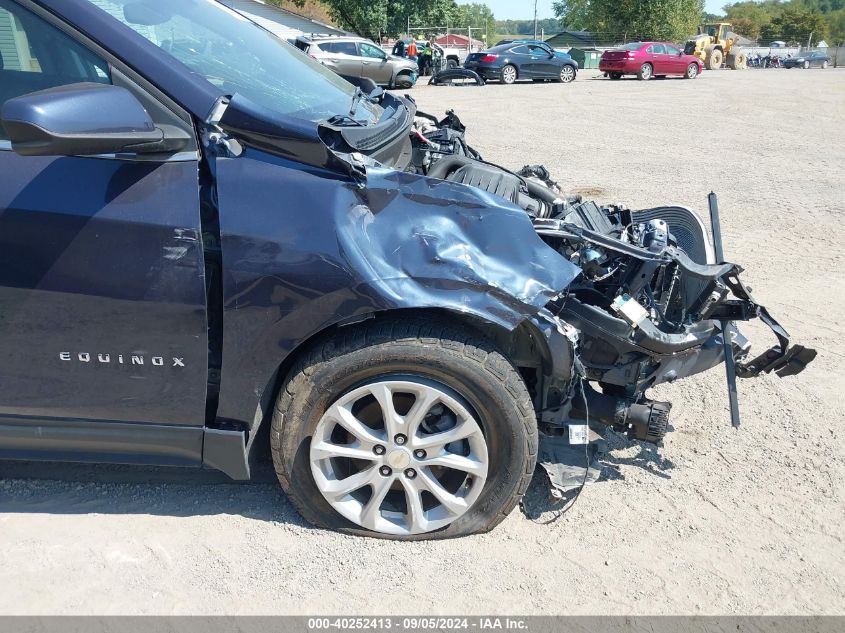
398	458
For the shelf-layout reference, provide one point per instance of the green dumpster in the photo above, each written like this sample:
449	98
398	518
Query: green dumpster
586	57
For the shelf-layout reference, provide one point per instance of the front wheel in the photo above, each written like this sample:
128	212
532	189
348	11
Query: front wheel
404	82
508	74
567	74
405	429
713	59
645	72
692	71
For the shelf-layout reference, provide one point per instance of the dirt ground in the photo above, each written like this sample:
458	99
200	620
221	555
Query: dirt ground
715	521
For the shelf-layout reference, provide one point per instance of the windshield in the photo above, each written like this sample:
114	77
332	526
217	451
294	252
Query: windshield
238	56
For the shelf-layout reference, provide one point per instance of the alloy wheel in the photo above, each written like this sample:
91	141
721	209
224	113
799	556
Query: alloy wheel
567	74
692	71
645	71
509	74
399	456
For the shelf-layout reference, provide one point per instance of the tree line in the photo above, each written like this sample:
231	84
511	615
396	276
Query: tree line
549	26
390	18
792	22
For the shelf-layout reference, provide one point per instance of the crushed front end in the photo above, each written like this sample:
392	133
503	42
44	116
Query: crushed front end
653	303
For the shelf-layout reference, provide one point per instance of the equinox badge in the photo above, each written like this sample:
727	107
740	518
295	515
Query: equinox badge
120	359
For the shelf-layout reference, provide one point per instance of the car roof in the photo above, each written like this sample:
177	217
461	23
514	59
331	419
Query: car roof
522	40
650	42
510	45
333	38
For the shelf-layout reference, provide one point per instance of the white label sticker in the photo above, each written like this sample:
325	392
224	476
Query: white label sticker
579	434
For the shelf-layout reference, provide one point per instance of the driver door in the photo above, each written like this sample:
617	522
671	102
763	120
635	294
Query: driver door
674	61
543	62
374	64
102	283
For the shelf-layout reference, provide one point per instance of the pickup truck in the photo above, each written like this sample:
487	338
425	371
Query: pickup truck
210	245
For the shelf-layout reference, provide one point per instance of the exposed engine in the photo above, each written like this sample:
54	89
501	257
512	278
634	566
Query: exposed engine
653	302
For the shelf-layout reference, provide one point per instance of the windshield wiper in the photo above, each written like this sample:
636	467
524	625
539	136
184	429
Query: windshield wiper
373	96
355	99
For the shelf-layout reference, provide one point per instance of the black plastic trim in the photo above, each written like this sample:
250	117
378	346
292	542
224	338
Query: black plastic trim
111	442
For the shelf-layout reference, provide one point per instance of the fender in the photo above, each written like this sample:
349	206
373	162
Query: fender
305	249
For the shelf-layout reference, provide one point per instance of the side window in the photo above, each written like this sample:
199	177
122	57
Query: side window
671	50
35	55
538	51
520	50
368	50
658	49
344	48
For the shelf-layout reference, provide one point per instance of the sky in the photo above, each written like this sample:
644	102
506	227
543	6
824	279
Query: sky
524	9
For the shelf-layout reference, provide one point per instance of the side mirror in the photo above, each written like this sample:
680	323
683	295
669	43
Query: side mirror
83	119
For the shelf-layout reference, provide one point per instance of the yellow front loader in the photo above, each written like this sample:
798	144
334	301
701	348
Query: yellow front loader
716	44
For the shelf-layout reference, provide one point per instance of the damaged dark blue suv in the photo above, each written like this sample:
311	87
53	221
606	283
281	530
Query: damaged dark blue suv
210	244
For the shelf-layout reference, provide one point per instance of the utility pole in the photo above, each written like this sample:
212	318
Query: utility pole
810	39
535	19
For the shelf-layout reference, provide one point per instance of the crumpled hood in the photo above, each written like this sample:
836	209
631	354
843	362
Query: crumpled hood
412	231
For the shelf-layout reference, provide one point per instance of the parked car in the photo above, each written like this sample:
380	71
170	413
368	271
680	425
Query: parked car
511	62
813	59
539	43
211	244
359	57
649	59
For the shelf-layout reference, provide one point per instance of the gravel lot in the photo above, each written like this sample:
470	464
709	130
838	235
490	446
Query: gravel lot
715	521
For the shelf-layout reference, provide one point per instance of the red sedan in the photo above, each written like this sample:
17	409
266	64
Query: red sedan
649	59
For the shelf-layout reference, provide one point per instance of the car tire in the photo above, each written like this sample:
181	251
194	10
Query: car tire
567	74
824	64
615	76
645	72
509	74
692	71
806	65
451	63
713	59
403	82
386	356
